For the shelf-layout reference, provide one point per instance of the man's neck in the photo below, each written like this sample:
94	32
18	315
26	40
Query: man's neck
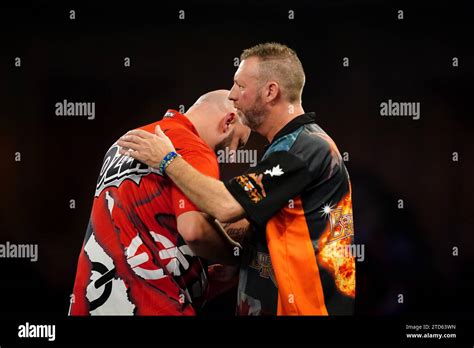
277	120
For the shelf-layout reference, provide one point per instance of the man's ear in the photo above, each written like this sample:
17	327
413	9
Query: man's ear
227	122
272	90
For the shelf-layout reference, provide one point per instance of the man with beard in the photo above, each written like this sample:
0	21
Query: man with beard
139	255
298	260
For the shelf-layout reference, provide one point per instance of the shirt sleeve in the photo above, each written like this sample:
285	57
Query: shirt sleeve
264	189
205	162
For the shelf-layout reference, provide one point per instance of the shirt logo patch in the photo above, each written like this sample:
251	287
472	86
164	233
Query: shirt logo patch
255	192
249	305
262	263
275	171
118	168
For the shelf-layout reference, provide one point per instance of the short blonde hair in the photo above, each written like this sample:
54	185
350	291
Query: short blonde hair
279	62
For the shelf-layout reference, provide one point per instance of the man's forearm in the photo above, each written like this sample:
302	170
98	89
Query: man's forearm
238	230
209	194
213	245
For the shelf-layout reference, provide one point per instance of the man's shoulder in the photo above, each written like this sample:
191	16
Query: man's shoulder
316	149
319	151
304	142
169	126
180	134
312	140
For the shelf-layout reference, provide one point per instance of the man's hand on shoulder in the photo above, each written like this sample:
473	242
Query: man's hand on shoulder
146	147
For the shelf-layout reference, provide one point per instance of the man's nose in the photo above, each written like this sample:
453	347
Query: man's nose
232	94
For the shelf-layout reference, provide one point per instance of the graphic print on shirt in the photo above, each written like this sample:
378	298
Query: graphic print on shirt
136	258
106	293
117	168
252	183
334	245
263	264
173	256
246	304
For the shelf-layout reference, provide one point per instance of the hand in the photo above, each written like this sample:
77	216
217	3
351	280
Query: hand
221	279
146	147
222	273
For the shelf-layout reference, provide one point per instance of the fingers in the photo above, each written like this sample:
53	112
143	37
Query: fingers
215	267
137	135
159	132
130	153
129	145
125	151
134	154
132	138
146	147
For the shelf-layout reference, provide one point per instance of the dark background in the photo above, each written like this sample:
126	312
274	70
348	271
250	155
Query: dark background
408	251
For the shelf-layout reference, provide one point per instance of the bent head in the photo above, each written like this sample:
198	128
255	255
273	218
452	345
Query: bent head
237	137
269	76
218	122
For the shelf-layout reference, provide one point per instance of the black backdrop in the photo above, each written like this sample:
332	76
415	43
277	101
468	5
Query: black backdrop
408	251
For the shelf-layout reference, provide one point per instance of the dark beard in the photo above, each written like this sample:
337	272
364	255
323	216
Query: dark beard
254	116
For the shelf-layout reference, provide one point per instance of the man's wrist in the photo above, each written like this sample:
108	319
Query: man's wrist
166	161
170	170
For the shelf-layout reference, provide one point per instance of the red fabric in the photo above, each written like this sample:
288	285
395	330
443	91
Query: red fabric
136	210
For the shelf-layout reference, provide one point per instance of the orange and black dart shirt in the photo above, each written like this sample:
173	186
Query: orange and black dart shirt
298	259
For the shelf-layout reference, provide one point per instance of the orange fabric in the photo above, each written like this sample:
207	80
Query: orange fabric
294	263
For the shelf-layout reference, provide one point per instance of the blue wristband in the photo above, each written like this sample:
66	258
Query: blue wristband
165	162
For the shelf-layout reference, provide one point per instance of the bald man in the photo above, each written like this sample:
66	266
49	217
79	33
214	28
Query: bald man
140	253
